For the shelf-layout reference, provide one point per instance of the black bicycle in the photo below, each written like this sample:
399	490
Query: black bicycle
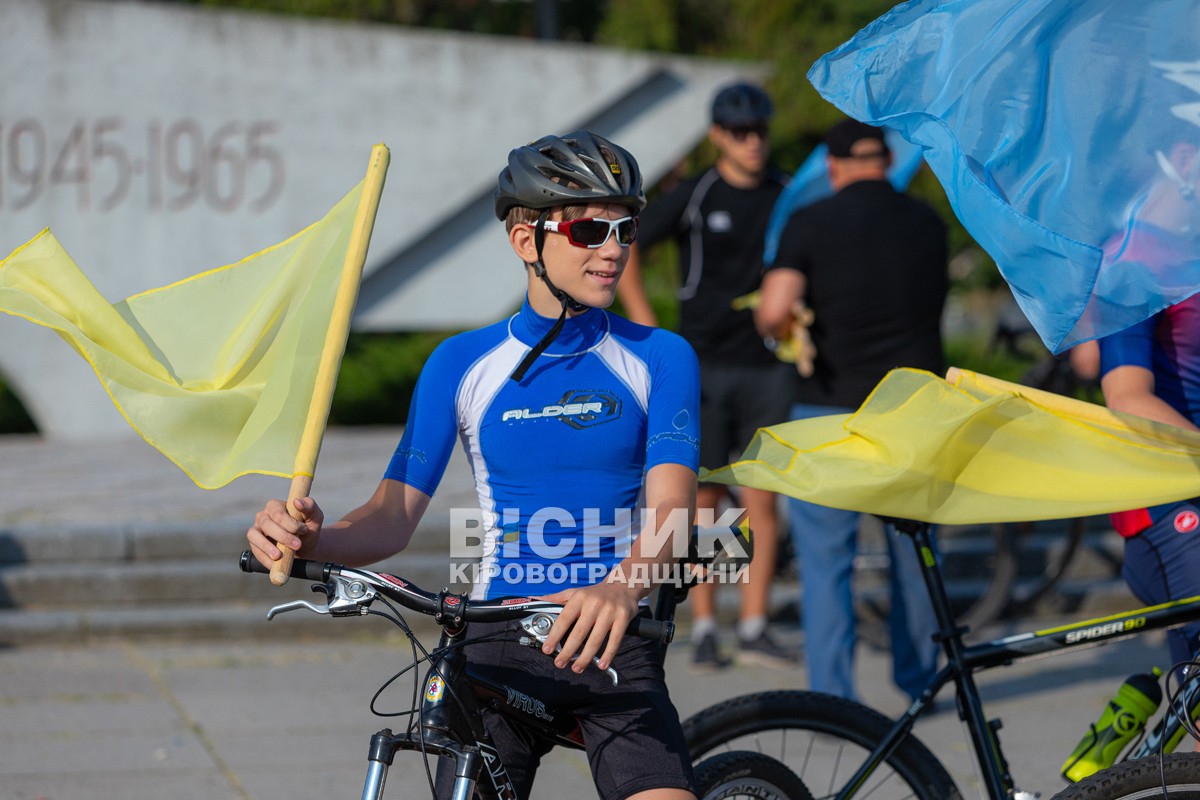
446	720
843	749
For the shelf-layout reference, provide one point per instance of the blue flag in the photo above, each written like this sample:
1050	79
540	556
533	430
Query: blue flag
1066	135
811	183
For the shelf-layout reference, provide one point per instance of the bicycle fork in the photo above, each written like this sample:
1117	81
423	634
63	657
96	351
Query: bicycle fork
449	728
468	762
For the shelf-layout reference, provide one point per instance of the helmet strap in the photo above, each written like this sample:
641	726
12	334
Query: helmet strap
568	302
539	266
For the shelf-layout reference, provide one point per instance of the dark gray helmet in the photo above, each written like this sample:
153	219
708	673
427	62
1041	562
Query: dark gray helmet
741	104
542	174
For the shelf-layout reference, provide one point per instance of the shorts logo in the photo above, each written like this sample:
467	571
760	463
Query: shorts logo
577	408
1186	521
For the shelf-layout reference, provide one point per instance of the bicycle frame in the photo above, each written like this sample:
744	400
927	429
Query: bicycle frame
963	661
451	726
450	723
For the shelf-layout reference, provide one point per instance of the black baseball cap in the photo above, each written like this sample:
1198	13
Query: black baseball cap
853	139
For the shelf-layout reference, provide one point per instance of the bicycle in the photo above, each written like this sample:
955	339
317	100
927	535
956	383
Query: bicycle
843	749
446	717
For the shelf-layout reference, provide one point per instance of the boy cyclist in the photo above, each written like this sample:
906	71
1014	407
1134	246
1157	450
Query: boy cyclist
567	414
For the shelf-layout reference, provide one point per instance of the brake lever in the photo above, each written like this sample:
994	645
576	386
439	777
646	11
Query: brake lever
346	598
538	627
296	605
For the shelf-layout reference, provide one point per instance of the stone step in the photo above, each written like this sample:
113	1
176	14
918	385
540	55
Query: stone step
183	579
66	585
152	542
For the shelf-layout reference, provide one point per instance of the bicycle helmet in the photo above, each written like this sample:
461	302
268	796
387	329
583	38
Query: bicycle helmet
576	168
741	104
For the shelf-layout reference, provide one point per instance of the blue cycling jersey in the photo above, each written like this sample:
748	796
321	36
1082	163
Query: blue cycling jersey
1168	343
559	459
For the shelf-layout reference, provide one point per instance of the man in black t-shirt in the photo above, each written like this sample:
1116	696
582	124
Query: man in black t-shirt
870	264
719	219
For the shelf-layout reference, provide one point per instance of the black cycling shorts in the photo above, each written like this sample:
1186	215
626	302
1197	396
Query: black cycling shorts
631	731
735	401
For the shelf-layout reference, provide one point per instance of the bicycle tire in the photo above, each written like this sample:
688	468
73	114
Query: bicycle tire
744	774
823	739
1140	779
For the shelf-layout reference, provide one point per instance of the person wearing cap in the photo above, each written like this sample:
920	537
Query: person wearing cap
718	220
581	430
870	265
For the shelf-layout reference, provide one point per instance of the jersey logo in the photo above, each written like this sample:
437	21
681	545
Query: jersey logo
577	408
720	222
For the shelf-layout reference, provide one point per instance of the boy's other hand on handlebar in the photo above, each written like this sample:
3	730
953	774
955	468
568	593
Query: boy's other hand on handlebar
590	616
273	524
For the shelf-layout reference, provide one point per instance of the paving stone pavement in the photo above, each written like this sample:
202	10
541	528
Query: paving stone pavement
242	719
245	718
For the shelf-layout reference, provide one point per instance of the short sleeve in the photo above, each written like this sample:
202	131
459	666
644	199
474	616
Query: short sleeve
424	451
1133	346
673	413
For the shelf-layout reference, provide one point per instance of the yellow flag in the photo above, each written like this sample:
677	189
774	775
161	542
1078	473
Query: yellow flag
976	450
225	372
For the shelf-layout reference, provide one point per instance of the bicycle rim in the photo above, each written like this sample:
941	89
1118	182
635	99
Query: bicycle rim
823	740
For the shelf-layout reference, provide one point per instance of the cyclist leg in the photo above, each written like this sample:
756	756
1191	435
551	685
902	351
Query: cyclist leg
717	398
634	739
1162	563
911	622
764	399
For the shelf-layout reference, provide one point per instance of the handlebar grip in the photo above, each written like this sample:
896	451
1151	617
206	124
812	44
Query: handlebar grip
301	568
655	629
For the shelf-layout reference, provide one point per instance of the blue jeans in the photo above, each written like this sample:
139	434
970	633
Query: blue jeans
826	541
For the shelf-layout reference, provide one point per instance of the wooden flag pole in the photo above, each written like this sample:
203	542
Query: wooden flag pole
335	346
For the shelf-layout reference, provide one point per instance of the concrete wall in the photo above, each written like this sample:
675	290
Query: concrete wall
158	141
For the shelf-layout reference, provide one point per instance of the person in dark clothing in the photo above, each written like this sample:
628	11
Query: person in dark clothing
869	263
718	219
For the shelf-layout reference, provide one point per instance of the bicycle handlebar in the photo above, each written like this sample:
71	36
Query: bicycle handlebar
445	607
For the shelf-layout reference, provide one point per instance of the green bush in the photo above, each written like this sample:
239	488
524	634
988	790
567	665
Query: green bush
378	374
13	416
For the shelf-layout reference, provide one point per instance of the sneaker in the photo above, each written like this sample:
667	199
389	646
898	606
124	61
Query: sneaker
707	657
766	652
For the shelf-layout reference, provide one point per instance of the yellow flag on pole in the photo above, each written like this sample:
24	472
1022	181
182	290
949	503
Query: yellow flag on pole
973	450
227	372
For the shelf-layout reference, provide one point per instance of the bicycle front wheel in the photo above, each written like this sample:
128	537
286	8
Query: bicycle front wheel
824	740
1141	779
741	774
